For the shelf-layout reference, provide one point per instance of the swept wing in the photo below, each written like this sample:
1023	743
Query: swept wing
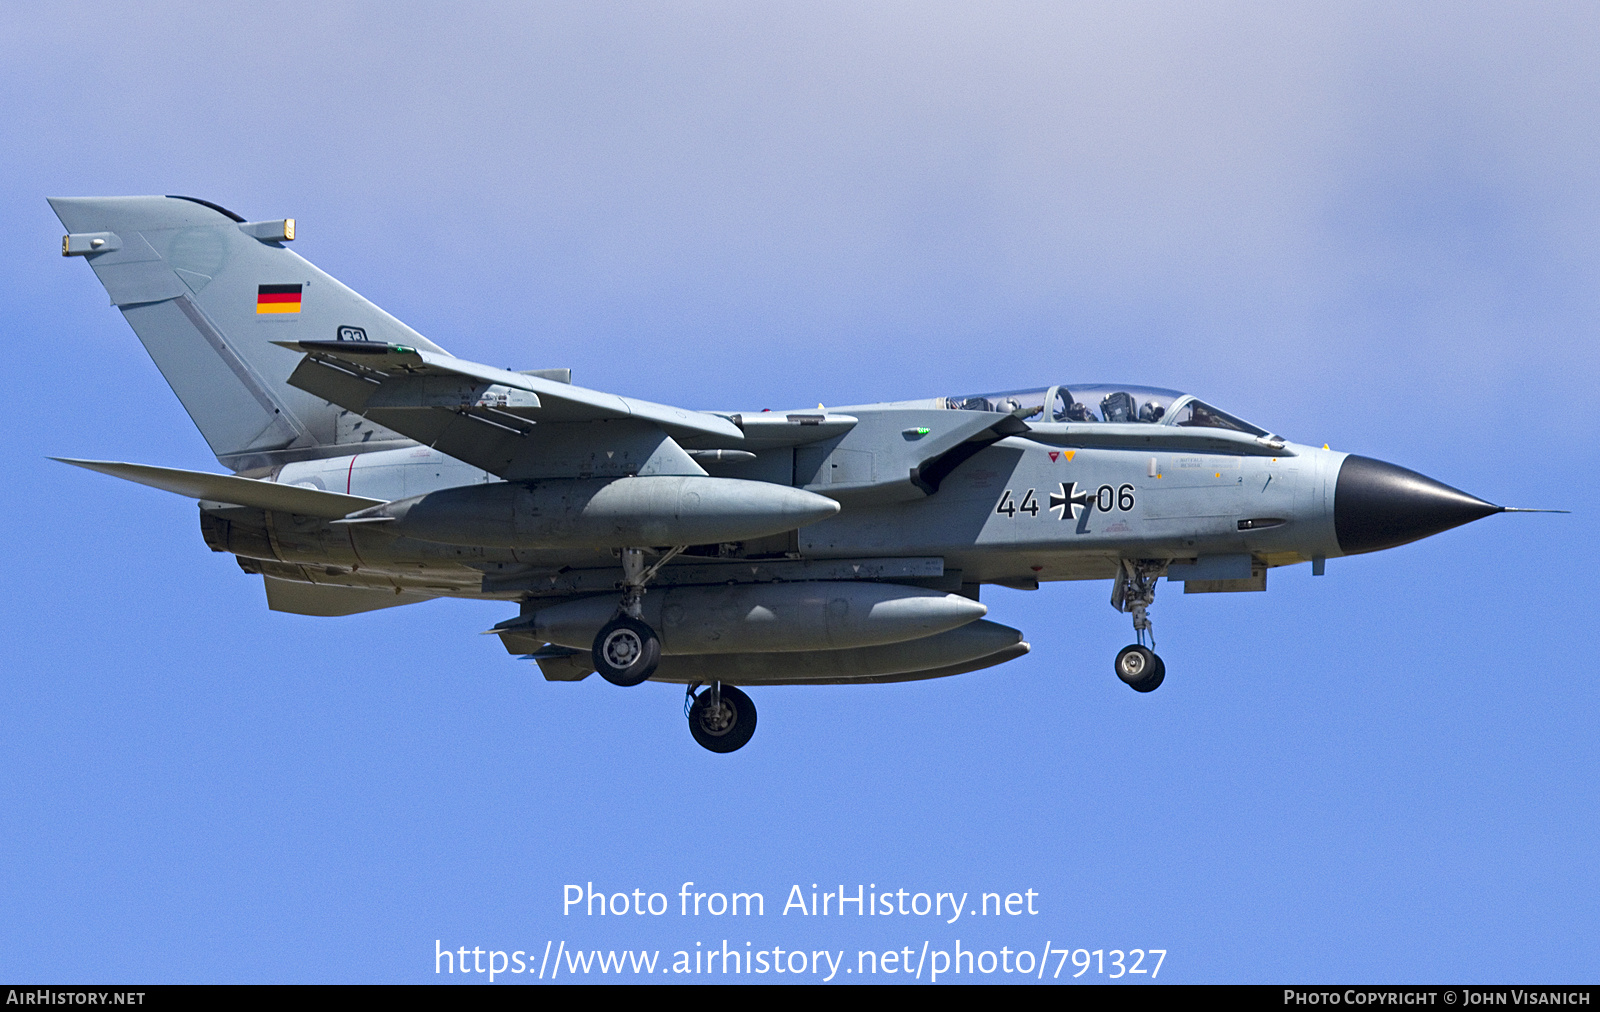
507	423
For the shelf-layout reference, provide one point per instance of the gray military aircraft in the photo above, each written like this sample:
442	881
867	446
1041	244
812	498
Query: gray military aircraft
371	468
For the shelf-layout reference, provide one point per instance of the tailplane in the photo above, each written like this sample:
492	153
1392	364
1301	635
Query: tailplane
208	292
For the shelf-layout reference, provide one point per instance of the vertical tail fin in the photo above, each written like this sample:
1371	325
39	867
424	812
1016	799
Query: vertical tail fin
207	293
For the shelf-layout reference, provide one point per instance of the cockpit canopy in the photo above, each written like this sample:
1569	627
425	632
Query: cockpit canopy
1105	402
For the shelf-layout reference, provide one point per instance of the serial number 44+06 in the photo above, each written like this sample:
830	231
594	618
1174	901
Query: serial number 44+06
1065	502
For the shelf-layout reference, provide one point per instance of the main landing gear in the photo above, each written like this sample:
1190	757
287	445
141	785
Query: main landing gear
626	650
1137	664
721	718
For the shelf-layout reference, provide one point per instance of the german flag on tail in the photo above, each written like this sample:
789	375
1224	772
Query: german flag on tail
278	298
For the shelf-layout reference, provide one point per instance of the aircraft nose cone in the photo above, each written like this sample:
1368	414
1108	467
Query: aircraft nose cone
1378	505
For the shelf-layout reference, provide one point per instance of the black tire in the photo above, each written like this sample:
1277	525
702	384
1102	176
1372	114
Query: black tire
736	724
1139	668
626	651
1153	681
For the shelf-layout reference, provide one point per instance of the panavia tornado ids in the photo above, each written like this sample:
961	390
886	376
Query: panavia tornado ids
717	549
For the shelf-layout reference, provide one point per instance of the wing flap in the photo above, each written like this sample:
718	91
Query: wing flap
310	502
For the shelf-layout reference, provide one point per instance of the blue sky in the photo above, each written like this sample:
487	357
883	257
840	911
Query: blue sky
1372	227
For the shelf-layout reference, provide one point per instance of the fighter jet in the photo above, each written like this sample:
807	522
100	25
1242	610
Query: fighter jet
371	468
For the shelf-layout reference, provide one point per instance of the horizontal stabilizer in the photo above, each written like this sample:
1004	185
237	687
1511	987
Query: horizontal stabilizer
266	495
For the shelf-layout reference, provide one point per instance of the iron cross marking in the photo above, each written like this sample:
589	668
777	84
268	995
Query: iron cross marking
1067	501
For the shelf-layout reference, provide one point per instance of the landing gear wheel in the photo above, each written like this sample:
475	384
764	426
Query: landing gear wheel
1157	676
626	651
726	727
1140	668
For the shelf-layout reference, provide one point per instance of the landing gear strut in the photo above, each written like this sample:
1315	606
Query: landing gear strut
626	650
1137	664
721	718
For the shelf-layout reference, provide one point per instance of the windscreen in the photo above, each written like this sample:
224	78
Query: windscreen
1203	415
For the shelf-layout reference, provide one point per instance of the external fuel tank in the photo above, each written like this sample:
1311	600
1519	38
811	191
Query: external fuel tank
771	617
637	511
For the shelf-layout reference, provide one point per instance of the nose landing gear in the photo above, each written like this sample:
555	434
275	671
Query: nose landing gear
1140	668
626	650
1137	664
